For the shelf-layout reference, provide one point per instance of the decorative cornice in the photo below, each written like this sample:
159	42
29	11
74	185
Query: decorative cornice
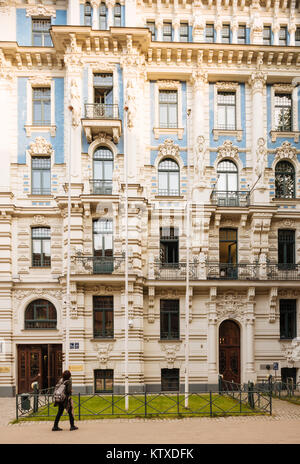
286	151
227	150
40	147
227	86
168	148
40	10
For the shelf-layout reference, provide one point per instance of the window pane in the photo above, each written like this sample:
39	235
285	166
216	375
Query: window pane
231	117
174	181
221	116
98	170
172	115
232	182
163	115
108	170
37	112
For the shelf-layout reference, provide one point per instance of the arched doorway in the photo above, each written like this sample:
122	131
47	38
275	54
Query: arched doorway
229	351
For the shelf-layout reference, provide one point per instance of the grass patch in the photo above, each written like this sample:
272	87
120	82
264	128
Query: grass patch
158	407
293	399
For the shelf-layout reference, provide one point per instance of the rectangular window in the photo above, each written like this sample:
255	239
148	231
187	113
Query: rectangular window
102	16
40	32
104	380
167	32
297	37
288	320
117	15
41	175
228	253
168	109
170	380
41	246
227	110
41	106
226	33
87	14
169	319
283	36
286	248
209	33
267	39
103	309
169	246
283	112
151	27
184	32
103	246
242	34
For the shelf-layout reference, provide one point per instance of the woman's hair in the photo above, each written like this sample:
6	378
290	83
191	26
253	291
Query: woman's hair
66	375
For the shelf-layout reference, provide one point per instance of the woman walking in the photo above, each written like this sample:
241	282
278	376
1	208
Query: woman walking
66	404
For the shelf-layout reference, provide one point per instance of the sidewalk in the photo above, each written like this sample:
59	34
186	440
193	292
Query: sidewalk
282	428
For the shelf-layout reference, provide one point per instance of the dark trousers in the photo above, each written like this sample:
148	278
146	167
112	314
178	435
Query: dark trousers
60	413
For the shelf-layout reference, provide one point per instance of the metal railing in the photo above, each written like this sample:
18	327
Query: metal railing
230	198
282	390
224	271
248	394
101	111
149	404
174	271
101	187
283	271
99	264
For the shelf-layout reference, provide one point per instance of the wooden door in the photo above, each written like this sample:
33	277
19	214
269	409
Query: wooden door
29	366
229	351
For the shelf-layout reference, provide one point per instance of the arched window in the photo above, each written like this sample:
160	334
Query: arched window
102	171
227	176
87	14
284	180
102	16
168	177
40	314
117	15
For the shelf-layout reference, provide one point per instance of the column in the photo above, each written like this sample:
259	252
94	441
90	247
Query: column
110	13
199	81
234	29
73	13
95	15
159	26
257	82
292	30
250	320
176	29
130	14
212	339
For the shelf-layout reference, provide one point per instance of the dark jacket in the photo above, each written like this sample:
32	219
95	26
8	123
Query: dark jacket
67	402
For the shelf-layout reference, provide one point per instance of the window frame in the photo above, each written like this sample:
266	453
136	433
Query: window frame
292	174
172	239
285	30
267	40
104	185
169	35
169	312
287	315
243	39
42	239
168	105
117	16
87	15
36	321
42	33
227	105
152	28
159	170
282	106
297	40
101	16
168	378
105	378
210	26
226	37
43	101
286	238
40	170
106	333
186	35
164	86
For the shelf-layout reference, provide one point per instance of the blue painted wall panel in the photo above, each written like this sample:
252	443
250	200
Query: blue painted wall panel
247	35
120	145
123	15
61	18
190	33
58	140
82	15
23	27
22	116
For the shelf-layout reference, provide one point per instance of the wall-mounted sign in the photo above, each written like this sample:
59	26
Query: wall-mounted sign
74	345
76	368
275	366
4	369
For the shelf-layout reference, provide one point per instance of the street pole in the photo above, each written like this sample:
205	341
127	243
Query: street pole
70	108
126	257
187	290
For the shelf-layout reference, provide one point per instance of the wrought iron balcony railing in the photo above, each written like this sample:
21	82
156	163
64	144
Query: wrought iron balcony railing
282	271
230	198
101	111
101	187
99	264
224	271
174	271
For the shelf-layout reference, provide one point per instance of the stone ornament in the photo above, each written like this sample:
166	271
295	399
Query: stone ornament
103	351
75	103
257	81
168	148
170	353
286	151
130	104
261	161
40	147
292	351
6	70
199	163
40	10
228	150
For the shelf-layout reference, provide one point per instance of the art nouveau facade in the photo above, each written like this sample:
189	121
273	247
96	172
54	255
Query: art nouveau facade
203	97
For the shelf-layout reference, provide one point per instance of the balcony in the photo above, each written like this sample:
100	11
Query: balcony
174	271
100	117
230	198
283	271
100	187
224	271
98	265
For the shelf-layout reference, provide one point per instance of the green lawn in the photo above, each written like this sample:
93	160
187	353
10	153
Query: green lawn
158	406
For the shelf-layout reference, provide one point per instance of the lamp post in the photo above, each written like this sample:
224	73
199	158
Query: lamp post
187	290
126	258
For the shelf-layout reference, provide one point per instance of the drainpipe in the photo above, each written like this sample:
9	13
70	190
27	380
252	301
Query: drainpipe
70	108
126	257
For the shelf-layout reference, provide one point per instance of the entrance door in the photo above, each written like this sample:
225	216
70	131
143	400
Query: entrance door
41	363
229	351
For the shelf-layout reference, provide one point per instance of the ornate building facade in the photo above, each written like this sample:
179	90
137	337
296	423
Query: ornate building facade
202	96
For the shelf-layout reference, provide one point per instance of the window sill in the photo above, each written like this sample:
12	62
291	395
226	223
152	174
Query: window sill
158	131
169	340
104	339
283	134
287	201
38	195
169	197
35	128
238	133
40	267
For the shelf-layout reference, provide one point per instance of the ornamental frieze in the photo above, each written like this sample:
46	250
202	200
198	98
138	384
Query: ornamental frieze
286	151
168	148
40	147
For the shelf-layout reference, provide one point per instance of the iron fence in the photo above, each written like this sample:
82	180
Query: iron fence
101	111
224	271
281	390
149	404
